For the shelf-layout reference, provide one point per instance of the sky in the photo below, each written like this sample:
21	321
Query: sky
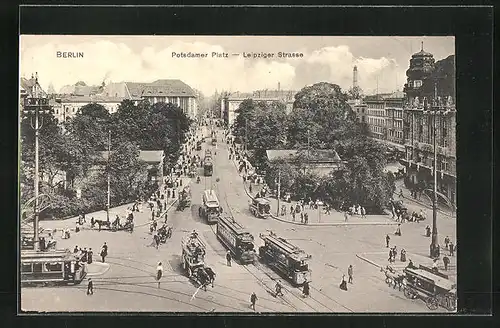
381	61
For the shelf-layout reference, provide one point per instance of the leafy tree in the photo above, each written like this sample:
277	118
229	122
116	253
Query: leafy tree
128	174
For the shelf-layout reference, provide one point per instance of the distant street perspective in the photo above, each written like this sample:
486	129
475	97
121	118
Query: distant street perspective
153	197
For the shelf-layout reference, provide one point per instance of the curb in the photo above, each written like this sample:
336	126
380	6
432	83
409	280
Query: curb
333	224
369	261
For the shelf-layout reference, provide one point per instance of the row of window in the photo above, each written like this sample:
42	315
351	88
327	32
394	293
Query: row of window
376	121
377	129
396	134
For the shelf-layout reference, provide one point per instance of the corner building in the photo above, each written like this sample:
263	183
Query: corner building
428	89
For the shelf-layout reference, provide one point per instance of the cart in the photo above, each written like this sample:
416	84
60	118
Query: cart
433	288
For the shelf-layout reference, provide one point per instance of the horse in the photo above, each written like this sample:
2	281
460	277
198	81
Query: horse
104	223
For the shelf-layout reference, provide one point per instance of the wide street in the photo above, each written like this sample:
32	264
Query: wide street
128	284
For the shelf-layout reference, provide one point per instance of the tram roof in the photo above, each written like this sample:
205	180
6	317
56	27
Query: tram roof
37	256
210	196
231	222
438	281
291	250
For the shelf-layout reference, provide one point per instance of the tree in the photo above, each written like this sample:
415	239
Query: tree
128	175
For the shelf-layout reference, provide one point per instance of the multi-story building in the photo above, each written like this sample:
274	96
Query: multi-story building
394	120
231	102
360	109
375	118
430	89
66	108
168	91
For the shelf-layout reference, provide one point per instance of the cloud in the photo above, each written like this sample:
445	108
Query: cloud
339	61
114	61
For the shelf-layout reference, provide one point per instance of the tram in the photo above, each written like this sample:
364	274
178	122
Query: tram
211	208
193	254
208	168
58	266
237	239
285	258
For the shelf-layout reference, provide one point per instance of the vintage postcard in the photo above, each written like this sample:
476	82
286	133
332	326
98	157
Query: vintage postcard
241	174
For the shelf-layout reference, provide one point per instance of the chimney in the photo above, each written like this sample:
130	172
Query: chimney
355	77
279	87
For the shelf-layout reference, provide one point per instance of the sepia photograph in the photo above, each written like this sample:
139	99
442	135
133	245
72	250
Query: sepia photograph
237	174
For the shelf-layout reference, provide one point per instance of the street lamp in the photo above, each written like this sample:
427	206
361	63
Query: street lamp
35	104
436	110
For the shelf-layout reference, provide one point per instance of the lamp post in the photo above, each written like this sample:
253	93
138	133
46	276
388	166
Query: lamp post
34	105
108	203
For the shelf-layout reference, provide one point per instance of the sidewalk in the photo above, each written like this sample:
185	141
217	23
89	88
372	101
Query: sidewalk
121	211
380	259
317	217
408	199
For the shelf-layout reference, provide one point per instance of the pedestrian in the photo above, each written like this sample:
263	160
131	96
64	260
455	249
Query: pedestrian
398	230
301	217
253	299
346	216
343	283
403	255
278	288
156	240
283	210
451	248
90	254
159	273
228	258
446	262
291	209
446	241
250	187
363	212
306	218
393	211
349	273
305	289
90	287
390	255
104	252
427	231
84	255
75	250
387	240
400	193
293	216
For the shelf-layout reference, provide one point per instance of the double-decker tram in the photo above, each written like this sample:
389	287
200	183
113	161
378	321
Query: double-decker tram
285	258
237	239
211	209
59	266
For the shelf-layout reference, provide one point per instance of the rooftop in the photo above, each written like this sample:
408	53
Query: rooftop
315	155
91	99
173	88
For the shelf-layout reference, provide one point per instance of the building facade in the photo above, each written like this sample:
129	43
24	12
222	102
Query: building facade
429	110
68	107
319	161
231	102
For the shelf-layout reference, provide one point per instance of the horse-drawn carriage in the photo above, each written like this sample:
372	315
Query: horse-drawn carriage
165	232
193	259
394	278
432	287
184	198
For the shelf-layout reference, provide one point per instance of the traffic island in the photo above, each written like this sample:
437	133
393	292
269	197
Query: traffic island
97	269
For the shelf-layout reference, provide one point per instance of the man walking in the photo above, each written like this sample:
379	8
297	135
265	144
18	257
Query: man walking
253	299
90	254
159	273
349	273
363	212
228	258
104	252
451	247
446	262
90	287
387	240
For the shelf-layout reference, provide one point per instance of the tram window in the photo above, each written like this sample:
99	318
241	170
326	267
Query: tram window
26	267
37	267
53	267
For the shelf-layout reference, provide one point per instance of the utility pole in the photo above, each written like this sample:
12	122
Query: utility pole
246	135
108	203
33	104
434	247
279	193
